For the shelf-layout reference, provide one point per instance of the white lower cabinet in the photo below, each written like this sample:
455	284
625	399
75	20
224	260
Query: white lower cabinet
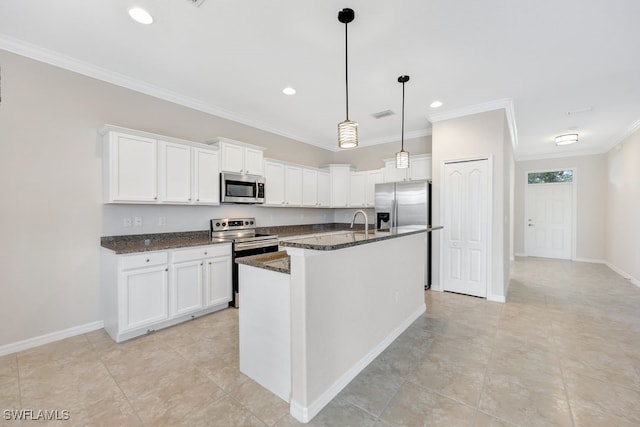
146	291
144	297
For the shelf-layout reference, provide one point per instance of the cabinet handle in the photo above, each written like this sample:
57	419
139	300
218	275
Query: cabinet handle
166	269
197	200
209	262
147	260
202	263
155	198
205	253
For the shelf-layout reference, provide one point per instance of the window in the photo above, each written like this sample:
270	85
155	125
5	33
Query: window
550	177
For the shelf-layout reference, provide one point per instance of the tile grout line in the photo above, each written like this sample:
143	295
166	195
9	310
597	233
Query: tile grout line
556	351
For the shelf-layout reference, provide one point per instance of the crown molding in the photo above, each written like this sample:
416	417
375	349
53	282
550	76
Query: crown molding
633	128
498	104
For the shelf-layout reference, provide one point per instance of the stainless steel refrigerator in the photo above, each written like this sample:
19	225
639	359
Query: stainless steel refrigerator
402	206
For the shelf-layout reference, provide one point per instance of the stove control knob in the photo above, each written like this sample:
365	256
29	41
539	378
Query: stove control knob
224	224
246	223
217	224
251	222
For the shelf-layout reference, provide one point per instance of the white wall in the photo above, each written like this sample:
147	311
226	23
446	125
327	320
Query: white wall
622	238
474	136
591	206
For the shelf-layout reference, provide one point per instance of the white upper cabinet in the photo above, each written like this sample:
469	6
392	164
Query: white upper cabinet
292	185
239	157
131	168
207	177
274	183
340	185
357	189
373	177
176	175
324	189
309	187
419	168
141	167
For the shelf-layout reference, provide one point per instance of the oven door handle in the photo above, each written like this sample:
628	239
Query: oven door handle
243	246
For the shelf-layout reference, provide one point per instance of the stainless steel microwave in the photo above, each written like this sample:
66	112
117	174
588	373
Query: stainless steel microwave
236	188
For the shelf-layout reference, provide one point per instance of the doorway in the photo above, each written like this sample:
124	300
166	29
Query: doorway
549	213
466	216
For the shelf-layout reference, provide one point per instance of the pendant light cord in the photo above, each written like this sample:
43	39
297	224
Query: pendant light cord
346	66
402	138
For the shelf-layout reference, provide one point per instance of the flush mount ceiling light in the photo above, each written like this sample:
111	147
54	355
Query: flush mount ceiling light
436	104
569	138
289	90
140	15
402	157
347	130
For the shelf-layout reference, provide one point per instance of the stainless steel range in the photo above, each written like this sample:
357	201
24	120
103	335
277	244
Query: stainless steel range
242	232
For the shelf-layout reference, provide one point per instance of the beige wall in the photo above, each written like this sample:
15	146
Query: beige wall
622	238
372	157
591	207
474	136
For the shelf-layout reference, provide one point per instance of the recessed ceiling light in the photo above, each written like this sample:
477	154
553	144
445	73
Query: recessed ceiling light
436	104
289	90
140	15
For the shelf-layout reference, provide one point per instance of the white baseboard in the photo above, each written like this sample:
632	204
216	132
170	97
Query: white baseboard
306	414
520	254
49	338
623	273
591	260
497	298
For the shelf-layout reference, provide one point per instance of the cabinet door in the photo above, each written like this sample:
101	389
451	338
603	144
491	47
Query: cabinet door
253	161
392	173
144	297
274	185
186	287
207	177
175	172
134	168
324	189
340	180
293	185
357	189
217	280
420	168
309	187
232	158
373	177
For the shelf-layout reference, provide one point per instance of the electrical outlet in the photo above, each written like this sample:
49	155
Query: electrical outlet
126	221
137	221
162	220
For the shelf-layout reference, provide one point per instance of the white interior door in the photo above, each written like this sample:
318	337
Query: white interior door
549	222
466	216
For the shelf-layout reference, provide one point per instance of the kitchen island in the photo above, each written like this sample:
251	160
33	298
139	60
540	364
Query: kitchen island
307	332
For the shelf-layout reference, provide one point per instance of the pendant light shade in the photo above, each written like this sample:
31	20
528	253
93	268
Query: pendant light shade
402	157
347	130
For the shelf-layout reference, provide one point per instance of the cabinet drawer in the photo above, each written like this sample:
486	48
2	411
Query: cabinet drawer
144	260
200	252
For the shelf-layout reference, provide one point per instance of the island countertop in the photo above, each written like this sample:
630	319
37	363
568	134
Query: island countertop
346	239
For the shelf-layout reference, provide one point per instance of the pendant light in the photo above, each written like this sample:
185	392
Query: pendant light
402	157
347	130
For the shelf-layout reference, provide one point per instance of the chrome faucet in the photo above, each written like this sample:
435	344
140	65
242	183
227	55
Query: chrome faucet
366	221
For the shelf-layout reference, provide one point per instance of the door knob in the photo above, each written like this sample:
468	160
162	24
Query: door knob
531	225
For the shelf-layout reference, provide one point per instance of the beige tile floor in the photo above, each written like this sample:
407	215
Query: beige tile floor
564	350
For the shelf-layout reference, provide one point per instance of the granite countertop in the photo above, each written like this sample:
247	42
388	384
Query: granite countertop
346	239
274	261
156	242
299	230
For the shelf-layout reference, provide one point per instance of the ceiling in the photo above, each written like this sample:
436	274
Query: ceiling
555	66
